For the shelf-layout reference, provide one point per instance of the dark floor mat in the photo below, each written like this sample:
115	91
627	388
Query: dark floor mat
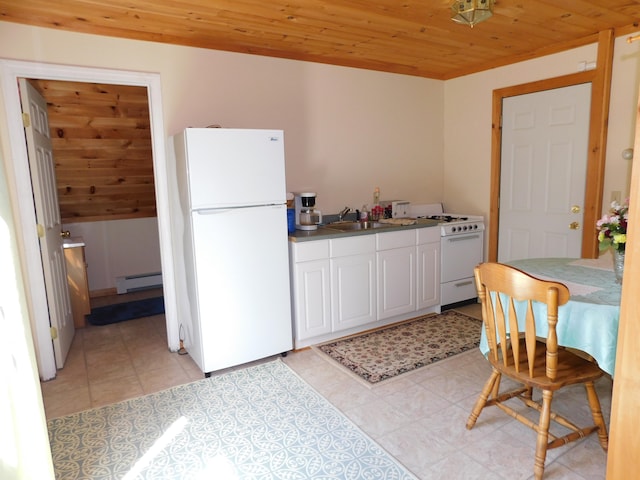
119	312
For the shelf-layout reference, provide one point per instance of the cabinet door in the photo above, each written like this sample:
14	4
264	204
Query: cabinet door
353	291
396	281
428	275
78	285
312	300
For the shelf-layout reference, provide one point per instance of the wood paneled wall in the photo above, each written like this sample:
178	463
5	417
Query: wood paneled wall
101	140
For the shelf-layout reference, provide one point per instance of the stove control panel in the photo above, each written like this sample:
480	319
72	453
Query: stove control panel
460	228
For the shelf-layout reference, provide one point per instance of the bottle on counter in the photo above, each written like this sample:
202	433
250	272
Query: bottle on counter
364	214
377	212
376	196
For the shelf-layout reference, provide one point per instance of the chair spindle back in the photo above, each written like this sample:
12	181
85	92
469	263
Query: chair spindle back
507	295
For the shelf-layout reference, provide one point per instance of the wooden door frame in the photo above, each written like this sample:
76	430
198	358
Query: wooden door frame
600	79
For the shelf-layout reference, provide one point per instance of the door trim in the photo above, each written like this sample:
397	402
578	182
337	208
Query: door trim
21	193
600	79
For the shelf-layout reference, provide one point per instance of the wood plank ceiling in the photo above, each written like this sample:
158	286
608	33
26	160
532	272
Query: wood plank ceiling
413	37
101	139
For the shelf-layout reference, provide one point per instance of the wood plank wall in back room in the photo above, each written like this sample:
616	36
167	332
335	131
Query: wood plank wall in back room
101	140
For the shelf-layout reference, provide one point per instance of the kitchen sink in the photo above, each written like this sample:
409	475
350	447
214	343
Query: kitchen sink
355	226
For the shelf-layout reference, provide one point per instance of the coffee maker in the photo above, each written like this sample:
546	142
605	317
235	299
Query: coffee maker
307	216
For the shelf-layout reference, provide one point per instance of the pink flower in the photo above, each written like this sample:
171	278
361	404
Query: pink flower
612	227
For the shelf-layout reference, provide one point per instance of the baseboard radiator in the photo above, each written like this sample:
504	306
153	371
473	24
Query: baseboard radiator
134	283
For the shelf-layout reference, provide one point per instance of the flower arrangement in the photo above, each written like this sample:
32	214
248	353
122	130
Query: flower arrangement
612	227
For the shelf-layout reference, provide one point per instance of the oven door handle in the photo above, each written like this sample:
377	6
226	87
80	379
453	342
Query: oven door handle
460	238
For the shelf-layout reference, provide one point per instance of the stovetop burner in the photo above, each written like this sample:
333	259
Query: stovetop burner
451	224
446	218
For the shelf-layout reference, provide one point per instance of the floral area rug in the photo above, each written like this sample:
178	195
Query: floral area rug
261	422
389	352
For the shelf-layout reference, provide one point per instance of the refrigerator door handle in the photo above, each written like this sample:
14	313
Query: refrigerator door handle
217	211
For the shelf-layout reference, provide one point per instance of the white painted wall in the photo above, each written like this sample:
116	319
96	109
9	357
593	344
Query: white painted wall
117	248
347	130
24	442
467	122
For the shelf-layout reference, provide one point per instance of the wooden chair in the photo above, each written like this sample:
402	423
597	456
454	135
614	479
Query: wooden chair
507	294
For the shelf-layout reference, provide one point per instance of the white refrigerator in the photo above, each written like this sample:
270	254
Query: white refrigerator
233	198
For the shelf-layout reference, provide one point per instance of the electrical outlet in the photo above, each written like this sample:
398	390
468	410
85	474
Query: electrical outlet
615	196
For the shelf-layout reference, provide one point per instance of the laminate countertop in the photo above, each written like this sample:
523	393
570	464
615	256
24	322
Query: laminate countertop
324	232
73	242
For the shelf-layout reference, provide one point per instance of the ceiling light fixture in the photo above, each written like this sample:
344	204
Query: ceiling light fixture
470	12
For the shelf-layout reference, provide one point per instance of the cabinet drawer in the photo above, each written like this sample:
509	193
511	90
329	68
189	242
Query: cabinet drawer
386	241
307	251
428	235
356	245
459	290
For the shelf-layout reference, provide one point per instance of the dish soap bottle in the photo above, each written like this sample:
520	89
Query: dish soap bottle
376	196
364	214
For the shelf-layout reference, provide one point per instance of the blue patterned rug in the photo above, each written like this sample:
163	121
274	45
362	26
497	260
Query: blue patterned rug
262	422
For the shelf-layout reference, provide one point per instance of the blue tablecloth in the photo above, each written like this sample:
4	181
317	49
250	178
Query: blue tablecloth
589	321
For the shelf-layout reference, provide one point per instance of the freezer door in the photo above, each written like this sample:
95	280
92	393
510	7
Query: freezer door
242	278
234	167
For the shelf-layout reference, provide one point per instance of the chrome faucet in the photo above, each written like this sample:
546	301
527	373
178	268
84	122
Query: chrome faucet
343	213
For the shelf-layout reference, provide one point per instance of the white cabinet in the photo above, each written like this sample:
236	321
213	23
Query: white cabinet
428	278
342	286
353	281
396	264
310	277
78	284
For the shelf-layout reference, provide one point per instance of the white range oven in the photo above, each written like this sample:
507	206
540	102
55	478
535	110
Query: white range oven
461	249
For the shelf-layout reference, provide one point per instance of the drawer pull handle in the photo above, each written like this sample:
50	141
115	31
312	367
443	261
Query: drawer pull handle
462	238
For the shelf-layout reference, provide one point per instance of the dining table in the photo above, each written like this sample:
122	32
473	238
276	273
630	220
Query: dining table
589	320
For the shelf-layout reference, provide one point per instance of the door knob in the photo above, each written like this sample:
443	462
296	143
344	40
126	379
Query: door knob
65	234
575	209
574	225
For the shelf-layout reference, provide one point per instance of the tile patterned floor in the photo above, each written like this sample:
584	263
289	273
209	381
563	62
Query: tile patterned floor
419	418
114	362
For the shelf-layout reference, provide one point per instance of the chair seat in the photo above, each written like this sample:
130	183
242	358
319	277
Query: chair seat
572	369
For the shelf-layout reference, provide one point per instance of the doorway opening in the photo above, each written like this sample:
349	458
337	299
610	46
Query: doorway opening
101	193
22	193
545	138
595	160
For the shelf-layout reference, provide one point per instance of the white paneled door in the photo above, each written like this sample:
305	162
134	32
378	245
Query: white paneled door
41	164
543	173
